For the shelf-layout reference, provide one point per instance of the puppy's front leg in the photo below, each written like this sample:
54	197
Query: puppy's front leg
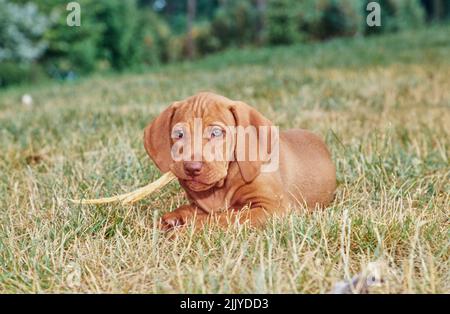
255	217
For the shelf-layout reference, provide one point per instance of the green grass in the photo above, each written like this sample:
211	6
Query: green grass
383	105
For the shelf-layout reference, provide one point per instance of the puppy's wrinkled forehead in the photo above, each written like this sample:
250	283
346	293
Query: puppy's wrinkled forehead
209	107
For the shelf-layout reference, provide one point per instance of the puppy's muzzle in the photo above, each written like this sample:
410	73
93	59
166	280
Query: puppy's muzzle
193	168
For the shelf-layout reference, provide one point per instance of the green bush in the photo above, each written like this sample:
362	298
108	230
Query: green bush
445	10
331	18
152	39
176	47
121	29
21	30
132	37
12	73
235	23
21	44
282	21
205	41
113	34
72	49
397	15
289	21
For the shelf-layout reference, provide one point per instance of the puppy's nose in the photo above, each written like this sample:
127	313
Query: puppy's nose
193	168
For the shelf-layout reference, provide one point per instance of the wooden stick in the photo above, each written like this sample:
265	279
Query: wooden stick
131	197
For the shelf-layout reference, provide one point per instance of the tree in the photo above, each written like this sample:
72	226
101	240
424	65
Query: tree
21	32
261	6
191	10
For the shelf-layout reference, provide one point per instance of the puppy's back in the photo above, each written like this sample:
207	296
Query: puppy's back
306	168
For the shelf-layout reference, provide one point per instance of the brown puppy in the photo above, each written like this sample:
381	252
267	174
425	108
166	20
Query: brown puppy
302	174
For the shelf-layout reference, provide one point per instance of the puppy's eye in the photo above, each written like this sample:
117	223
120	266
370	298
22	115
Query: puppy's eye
178	134
216	132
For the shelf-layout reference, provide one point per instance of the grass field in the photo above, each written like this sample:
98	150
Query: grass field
383	105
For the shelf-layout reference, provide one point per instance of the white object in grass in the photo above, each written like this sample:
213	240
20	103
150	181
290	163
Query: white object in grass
27	100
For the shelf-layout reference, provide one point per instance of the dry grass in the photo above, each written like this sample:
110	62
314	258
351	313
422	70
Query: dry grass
382	104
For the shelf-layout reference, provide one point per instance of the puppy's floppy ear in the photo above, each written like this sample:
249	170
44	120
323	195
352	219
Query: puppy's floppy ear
157	139
246	116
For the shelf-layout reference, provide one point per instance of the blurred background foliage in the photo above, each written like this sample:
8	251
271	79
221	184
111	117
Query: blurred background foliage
118	35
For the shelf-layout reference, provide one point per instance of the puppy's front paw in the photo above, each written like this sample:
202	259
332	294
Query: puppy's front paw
168	222
173	220
180	217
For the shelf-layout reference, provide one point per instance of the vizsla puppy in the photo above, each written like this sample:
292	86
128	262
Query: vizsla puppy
198	139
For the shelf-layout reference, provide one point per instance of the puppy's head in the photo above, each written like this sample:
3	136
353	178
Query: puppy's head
197	140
